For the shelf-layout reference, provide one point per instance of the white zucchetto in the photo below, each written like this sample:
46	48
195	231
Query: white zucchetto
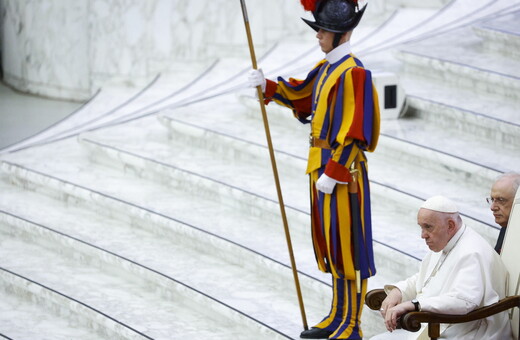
440	204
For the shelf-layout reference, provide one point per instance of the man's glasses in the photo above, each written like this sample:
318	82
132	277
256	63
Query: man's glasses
499	200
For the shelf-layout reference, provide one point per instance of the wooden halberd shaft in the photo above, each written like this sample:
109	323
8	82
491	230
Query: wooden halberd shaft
275	170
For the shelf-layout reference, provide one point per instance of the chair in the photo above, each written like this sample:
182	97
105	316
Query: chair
510	255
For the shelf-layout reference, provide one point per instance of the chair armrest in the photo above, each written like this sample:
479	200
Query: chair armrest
412	321
374	298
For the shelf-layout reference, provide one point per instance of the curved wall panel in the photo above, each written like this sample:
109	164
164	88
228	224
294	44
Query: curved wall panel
68	49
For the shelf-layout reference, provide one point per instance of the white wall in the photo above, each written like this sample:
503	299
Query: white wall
44	47
67	49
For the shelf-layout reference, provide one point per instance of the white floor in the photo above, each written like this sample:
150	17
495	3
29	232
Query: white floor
23	115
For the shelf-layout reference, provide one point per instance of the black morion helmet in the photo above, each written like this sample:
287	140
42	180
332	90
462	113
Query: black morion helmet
337	16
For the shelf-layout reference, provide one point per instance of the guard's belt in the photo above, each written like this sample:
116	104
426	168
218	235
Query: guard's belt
318	143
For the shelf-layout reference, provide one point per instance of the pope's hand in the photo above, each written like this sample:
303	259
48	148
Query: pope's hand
325	184
393	298
393	314
256	78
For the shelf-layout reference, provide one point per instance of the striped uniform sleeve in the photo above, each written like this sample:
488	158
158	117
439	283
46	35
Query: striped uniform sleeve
295	94
354	122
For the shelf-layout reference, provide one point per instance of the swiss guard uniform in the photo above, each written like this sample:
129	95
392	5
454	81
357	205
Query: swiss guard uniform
339	101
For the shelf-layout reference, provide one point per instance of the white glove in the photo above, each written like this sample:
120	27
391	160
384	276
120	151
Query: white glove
256	78
325	184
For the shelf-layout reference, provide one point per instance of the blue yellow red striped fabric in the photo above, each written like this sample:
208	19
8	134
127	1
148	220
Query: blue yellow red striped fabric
340	102
345	311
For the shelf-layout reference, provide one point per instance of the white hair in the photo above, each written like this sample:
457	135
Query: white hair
513	176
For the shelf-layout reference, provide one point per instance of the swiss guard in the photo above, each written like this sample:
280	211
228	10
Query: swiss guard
339	101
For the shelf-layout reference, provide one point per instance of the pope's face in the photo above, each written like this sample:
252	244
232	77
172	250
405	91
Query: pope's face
435	230
503	196
326	40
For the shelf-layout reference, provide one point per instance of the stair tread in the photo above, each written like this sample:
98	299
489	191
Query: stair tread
25	320
498	112
289	137
112	236
125	300
268	239
465	146
507	24
253	179
152	143
122	295
171	202
463	47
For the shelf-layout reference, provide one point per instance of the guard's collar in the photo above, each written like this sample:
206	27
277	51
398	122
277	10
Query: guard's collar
339	52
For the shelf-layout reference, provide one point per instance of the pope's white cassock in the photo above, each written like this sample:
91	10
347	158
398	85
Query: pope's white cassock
465	275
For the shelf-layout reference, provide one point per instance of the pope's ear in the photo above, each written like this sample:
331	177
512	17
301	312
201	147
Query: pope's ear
452	225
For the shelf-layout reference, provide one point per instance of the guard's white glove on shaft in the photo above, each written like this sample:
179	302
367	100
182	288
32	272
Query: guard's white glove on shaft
256	78
325	184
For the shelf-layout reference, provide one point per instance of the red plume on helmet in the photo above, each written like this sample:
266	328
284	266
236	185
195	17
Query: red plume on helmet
310	5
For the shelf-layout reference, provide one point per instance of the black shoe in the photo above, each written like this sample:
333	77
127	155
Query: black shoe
316	333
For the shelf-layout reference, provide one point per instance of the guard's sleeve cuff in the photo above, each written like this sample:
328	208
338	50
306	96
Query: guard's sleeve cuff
337	171
270	90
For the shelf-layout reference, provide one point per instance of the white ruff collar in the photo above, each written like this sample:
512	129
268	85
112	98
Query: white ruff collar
339	52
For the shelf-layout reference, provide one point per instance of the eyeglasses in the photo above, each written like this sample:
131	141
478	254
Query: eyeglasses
499	200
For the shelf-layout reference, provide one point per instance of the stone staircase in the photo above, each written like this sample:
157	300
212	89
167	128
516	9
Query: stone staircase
166	225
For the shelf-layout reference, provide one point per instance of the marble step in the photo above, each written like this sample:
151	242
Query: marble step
304	254
501	34
126	298
421	23
384	173
468	148
439	172
420	172
145	146
224	221
140	153
401	145
310	287
457	58
488	118
225	166
31	311
392	4
101	106
160	268
118	102
126	194
414	4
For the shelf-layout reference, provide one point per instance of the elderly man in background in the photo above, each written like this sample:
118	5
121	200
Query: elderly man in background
459	274
500	202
